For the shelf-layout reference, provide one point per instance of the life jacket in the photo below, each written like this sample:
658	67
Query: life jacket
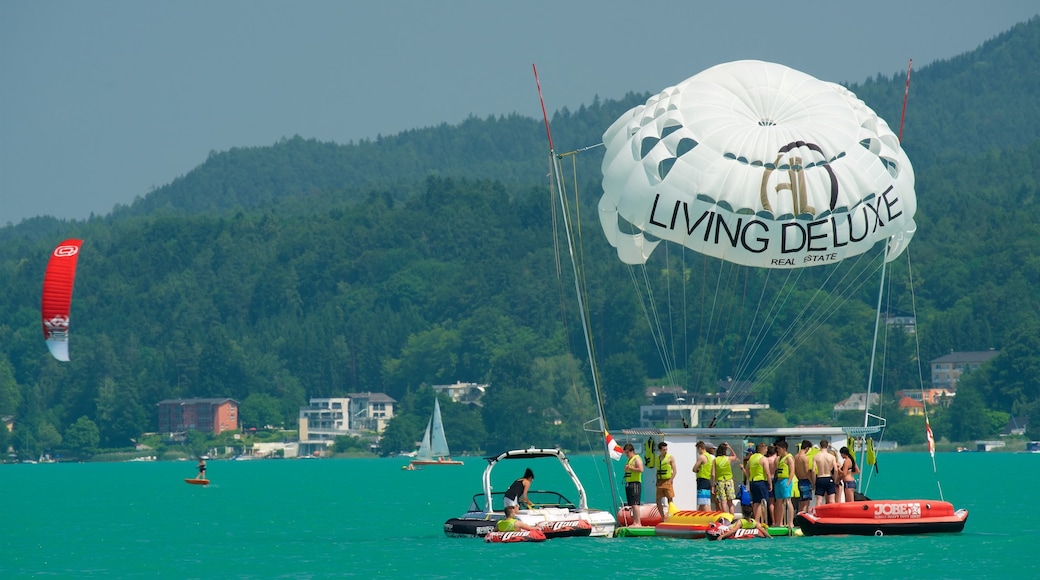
705	470
755	470
649	457
633	476
782	467
506	525
664	470
723	470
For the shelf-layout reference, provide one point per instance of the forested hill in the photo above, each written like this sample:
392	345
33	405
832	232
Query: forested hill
303	269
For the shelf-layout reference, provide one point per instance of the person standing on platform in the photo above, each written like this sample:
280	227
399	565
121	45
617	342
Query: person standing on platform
665	479
847	474
802	468
823	472
760	483
702	467
633	482
722	477
783	487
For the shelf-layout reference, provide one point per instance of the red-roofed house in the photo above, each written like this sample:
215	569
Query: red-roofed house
911	407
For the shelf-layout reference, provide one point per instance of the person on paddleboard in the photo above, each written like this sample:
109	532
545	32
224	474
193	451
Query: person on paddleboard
202	469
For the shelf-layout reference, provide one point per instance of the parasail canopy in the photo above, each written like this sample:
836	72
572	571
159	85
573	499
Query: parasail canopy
57	297
757	164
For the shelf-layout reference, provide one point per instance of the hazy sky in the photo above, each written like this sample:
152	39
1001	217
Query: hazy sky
102	101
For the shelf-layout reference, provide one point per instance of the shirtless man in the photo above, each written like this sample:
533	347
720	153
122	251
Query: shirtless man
823	472
802	471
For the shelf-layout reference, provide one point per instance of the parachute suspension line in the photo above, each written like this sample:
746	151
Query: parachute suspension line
573	375
648	303
557	175
797	332
830	302
709	326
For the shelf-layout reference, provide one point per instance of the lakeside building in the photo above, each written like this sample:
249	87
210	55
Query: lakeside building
947	370
325	419
206	415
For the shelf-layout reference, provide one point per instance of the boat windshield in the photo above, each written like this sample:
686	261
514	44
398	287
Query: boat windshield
540	499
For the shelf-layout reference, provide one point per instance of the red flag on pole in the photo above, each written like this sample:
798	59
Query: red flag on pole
615	450
931	439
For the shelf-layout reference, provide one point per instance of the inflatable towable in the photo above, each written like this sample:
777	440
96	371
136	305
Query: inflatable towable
566	529
716	530
689	524
497	537
881	517
649	515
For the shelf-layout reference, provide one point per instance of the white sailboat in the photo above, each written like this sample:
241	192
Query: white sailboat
434	447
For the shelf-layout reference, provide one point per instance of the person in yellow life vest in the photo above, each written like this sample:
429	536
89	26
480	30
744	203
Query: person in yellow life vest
702	467
723	528
783	487
665	474
633	482
722	477
760	482
510	523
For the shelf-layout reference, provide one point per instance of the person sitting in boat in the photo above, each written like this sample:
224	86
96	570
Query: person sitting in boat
723	528
517	492
511	524
847	474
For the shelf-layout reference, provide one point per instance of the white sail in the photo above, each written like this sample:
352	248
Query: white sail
424	448
434	447
438	443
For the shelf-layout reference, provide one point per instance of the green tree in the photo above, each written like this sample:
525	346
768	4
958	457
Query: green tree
769	419
400	435
259	410
514	412
968	414
82	437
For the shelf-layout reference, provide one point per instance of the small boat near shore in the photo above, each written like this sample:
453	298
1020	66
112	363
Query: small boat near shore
434	447
554	514
882	517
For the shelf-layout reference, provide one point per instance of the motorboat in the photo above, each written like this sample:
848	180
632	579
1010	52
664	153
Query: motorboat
551	511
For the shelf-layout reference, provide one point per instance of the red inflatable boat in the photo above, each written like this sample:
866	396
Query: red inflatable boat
881	517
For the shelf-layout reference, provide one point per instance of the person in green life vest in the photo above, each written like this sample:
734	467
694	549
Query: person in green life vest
510	523
783	487
760	480
702	467
722	477
665	474
633	482
723	528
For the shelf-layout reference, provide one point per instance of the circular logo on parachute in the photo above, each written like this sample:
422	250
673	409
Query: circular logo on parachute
65	251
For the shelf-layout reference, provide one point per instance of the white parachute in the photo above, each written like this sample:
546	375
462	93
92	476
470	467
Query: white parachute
759	165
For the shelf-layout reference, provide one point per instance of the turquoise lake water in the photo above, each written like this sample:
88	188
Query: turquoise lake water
332	518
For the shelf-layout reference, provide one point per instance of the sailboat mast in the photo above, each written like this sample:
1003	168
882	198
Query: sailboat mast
557	176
